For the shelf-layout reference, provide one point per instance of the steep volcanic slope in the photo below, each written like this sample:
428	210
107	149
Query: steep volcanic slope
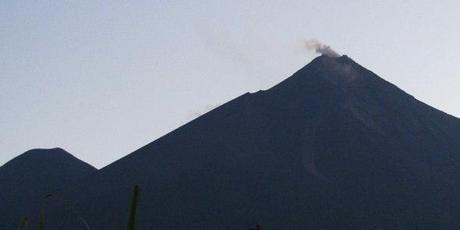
332	147
31	178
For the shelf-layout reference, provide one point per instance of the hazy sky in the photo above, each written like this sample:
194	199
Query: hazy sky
103	78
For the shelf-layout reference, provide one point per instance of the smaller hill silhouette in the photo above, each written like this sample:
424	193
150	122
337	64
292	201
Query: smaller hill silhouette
29	179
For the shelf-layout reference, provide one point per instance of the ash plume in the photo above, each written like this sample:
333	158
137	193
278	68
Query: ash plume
318	47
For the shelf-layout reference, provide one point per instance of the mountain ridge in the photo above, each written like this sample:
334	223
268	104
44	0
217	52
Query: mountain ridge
334	146
298	148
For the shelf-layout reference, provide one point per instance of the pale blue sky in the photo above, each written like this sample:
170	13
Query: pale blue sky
103	78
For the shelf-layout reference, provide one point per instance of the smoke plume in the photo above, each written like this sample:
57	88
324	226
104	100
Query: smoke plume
318	47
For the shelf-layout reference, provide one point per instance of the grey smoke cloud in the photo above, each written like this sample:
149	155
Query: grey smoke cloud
318	47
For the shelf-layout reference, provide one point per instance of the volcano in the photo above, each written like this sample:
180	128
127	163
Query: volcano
334	146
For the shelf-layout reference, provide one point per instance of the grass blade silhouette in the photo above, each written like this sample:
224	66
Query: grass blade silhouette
133	208
41	222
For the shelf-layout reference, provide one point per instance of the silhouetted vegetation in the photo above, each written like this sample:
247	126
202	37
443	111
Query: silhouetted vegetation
41	221
24	224
133	208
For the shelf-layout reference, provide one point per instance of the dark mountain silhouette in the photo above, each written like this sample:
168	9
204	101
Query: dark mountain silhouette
27	181
332	147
